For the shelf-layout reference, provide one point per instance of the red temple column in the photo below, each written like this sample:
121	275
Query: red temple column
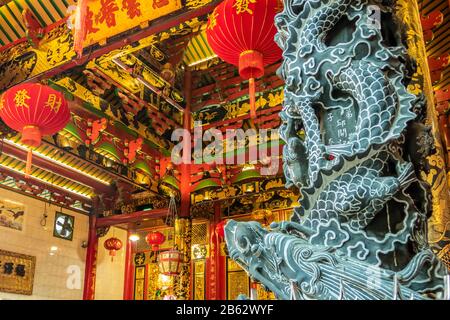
211	272
215	273
129	270
185	167
91	260
221	286
183	223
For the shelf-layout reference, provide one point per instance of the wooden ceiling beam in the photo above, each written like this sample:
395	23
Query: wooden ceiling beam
131	217
43	186
54	167
77	107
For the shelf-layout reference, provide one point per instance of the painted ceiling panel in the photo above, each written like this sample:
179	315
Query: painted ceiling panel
68	160
48	177
198	50
47	12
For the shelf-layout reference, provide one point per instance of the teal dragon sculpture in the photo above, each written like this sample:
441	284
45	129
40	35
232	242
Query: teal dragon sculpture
356	141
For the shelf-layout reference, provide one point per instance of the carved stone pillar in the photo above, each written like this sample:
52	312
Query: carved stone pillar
358	140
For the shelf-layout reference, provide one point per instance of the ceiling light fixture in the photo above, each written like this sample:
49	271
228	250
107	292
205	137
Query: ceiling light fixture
134	237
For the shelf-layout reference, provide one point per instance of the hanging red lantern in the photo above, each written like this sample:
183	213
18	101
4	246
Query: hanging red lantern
220	228
155	239
169	262
242	33
34	110
113	245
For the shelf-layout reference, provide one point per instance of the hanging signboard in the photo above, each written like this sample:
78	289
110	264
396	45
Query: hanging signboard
16	272
106	18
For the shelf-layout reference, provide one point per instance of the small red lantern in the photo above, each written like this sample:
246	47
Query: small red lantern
155	239
34	110
170	261
113	245
242	33
220	228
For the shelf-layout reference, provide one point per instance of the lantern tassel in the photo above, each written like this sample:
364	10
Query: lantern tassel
28	165
80	27
252	89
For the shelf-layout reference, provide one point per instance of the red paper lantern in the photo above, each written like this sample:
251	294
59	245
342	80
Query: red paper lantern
242	33
113	245
34	110
155	239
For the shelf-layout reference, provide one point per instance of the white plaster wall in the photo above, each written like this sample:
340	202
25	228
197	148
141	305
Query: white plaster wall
51	273
109	282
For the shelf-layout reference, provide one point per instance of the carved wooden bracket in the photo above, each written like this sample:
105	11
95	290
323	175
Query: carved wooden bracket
433	20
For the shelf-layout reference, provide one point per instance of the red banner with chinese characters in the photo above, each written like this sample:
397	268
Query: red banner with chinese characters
107	18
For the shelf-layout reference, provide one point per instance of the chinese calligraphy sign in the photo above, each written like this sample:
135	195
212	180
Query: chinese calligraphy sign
107	18
132	8
16	272
107	13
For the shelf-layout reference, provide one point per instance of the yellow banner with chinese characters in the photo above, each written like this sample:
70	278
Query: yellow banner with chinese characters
106	18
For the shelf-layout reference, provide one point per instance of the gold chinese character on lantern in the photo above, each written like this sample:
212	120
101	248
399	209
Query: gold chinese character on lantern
213	19
53	102
2	101
21	97
242	6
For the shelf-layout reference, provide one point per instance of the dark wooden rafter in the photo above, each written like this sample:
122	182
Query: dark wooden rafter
85	114
113	175
175	47
137	73
139	103
237	123
228	86
131	218
151	155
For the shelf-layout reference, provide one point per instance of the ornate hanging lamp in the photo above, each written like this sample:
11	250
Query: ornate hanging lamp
207	187
247	179
168	184
34	110
170	261
242	33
